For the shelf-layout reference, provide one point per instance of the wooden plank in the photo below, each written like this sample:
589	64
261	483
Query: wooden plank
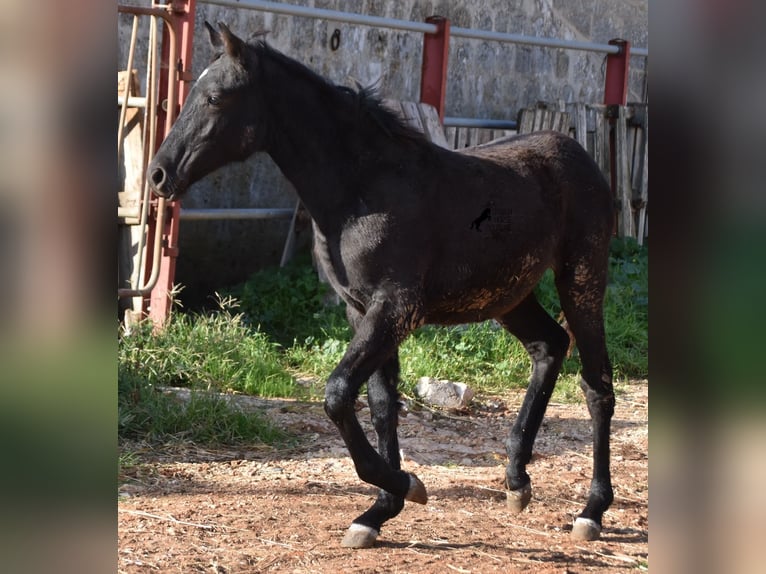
131	161
601	140
643	217
451	133
581	125
433	127
462	138
560	121
470	137
411	115
393	106
626	225
122	78
526	121
483	136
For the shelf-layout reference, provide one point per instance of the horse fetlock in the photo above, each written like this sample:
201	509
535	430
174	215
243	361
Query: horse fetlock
359	536
517	500
585	529
417	491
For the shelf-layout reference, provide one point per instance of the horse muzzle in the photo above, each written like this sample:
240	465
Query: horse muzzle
162	183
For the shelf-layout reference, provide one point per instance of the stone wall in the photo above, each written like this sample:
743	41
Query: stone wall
485	80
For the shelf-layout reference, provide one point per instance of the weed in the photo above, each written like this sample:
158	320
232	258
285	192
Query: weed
146	411
215	351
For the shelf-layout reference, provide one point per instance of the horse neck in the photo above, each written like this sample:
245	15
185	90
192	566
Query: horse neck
303	141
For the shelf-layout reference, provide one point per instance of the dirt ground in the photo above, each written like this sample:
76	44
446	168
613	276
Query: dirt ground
185	509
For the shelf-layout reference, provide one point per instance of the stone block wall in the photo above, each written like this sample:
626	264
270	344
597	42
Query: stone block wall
485	80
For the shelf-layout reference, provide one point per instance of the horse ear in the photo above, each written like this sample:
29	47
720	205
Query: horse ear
215	37
234	46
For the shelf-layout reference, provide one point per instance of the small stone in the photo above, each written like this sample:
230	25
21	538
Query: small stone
444	393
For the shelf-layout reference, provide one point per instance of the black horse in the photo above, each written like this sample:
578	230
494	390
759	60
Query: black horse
396	222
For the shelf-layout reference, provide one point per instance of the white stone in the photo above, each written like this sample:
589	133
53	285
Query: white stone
444	393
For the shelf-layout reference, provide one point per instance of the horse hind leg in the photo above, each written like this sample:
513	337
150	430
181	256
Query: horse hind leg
546	342
581	290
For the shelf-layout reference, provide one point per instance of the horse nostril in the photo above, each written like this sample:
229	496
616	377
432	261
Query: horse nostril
158	177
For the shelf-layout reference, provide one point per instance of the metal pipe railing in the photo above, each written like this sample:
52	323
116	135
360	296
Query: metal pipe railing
422	27
245	213
126	91
472	34
454	122
151	123
133	101
325	14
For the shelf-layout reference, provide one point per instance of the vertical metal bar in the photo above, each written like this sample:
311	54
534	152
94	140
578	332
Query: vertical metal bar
126	93
183	17
615	94
616	80
433	77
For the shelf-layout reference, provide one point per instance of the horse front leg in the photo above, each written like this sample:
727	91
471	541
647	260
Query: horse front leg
383	399
374	345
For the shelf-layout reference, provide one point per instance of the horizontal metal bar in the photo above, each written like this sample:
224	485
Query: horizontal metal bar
133	101
453	122
212	214
324	14
162	12
532	40
425	28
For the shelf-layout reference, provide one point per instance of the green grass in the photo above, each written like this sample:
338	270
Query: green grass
216	351
277	326
146	412
482	355
210	354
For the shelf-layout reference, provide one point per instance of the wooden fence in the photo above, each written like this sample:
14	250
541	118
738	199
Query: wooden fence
591	125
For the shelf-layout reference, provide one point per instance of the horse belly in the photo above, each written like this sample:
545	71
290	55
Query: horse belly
469	295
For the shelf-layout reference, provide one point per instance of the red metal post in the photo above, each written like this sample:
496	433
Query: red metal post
433	77
159	303
616	81
615	94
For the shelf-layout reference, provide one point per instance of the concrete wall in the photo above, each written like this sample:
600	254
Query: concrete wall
486	80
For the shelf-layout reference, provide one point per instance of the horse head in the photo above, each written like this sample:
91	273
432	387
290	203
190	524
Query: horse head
221	121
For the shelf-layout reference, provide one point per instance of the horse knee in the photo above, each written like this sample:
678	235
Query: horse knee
338	401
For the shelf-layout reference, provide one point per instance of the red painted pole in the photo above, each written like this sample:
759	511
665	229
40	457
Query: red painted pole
433	77
615	94
616	81
159	303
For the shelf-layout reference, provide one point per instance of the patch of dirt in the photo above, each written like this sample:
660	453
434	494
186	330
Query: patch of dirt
185	509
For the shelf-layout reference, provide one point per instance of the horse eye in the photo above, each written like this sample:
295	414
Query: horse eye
213	100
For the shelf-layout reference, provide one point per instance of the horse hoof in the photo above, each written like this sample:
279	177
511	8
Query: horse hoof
585	529
417	492
517	500
359	536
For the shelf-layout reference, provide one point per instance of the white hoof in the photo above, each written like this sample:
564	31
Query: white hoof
517	500
417	492
359	536
585	529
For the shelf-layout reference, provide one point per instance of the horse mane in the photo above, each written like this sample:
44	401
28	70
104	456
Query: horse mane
364	101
